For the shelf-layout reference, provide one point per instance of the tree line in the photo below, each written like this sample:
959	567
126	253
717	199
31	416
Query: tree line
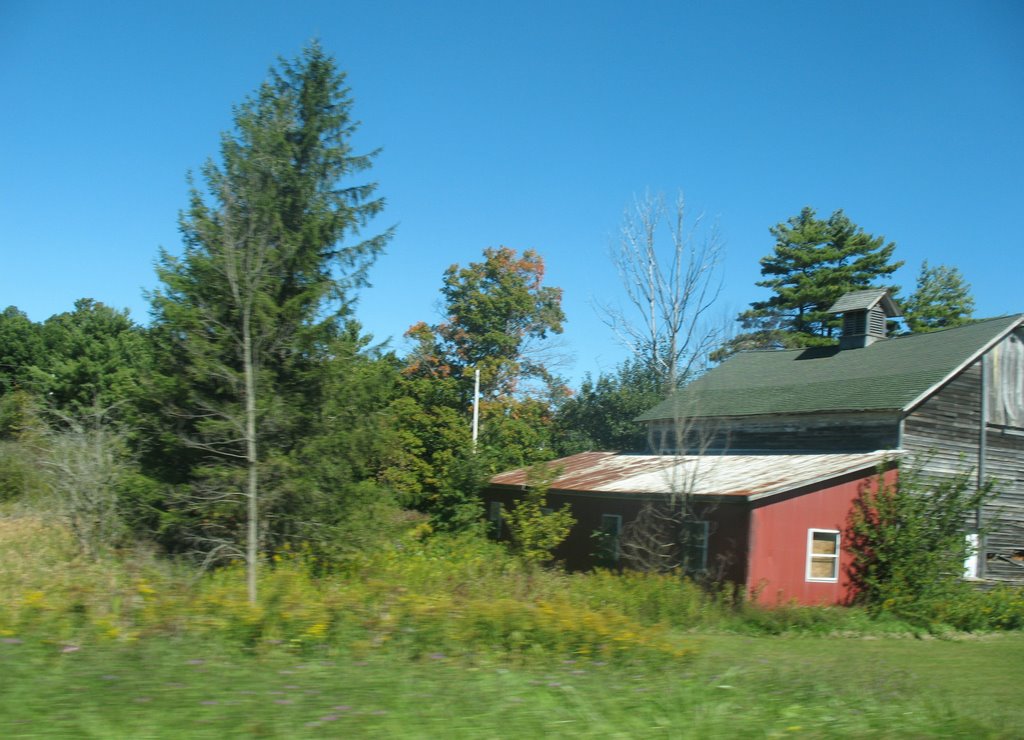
254	414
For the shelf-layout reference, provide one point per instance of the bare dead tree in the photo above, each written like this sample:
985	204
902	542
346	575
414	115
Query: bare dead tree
671	289
672	532
669	265
84	460
651	542
243	260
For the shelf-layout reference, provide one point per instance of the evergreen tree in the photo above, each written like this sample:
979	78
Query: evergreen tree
941	300
251	314
815	261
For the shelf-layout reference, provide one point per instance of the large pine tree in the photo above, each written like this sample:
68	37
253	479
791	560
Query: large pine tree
249	316
815	261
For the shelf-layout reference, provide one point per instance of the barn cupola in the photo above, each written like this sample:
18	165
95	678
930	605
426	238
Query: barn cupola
865	314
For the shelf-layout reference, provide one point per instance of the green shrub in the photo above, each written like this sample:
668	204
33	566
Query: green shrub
908	543
970	609
535	530
19	472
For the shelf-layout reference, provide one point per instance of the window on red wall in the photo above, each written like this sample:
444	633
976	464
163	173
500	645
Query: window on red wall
695	547
823	555
494	518
608	539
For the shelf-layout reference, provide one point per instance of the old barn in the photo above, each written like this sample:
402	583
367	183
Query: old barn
768	450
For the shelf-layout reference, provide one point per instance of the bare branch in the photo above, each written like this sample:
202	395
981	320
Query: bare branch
671	291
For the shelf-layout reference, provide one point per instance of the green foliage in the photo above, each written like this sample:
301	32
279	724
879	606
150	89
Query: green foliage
535	530
497	311
20	415
19	471
600	416
93	356
495	308
908	540
814	263
96	358
459	596
942	300
271	400
22	352
455	504
21	429
330	491
652	598
430	463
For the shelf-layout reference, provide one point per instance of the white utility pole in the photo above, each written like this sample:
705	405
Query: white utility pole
476	406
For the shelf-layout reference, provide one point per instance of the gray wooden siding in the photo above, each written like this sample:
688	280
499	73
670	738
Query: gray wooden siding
797	433
1005	370
1004	463
945	432
945	428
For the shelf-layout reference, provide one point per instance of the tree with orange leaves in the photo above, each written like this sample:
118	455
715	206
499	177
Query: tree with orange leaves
498	316
498	312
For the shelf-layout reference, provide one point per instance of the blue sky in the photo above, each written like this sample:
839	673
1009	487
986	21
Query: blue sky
530	125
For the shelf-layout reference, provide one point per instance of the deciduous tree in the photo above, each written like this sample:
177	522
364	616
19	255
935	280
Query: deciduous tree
600	415
908	540
535	529
96	357
22	351
669	267
86	460
498	314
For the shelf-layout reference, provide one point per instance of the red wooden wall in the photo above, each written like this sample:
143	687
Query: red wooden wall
761	544
777	557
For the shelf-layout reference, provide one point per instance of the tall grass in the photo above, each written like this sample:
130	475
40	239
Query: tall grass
444	595
459	596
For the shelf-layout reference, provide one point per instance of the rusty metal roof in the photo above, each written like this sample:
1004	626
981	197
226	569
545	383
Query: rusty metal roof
748	477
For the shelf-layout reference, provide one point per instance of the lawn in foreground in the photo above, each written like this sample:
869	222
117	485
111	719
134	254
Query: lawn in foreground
761	686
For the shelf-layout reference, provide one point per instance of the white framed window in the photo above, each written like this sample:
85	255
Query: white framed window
611	528
971	561
695	547
823	555
494	517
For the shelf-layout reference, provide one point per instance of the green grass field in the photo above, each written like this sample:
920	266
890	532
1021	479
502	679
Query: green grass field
736	685
455	639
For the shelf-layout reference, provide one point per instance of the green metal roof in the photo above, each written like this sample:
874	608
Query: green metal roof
887	375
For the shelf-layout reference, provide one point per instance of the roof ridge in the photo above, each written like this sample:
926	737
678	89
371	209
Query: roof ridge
887	375
945	329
